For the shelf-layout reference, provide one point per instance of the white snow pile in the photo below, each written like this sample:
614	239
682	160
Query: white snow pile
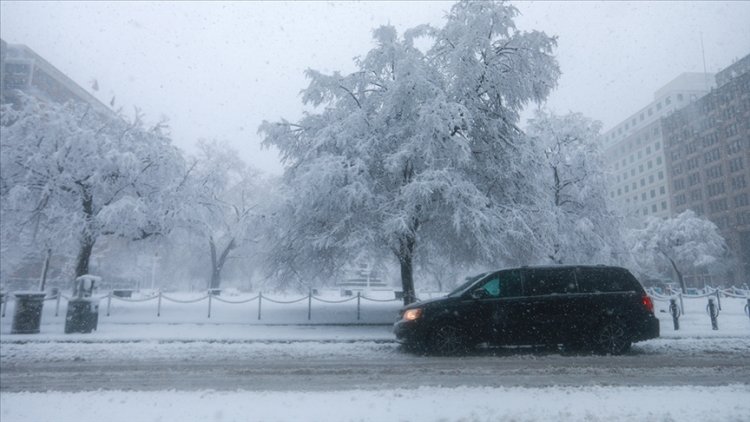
467	404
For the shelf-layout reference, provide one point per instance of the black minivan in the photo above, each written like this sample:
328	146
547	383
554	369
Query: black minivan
597	308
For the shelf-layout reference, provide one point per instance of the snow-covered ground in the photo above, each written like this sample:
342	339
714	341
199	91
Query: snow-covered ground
183	332
611	404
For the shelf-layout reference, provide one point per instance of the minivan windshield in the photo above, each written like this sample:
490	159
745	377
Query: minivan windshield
469	281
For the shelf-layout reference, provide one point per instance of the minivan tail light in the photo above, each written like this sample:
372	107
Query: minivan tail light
648	303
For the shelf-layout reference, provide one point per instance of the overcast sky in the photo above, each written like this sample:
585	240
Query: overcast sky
216	70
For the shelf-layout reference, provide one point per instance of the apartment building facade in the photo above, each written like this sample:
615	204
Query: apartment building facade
707	152
22	69
634	150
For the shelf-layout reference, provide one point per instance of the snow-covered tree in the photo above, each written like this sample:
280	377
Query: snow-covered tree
683	242
224	196
71	176
418	147
576	226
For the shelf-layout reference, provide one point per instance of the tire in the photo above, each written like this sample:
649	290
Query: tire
449	340
612	339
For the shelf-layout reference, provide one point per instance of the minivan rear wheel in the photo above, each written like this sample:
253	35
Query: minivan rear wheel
448	340
612	339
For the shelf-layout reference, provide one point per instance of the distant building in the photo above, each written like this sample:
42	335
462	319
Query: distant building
22	69
707	148
634	150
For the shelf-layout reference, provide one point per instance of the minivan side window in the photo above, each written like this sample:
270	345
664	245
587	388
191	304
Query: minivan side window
601	280
503	284
550	281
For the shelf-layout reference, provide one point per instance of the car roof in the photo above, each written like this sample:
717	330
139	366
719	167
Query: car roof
567	266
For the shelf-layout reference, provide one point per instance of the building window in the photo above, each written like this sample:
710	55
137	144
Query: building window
734	147
741	200
679	184
661	175
643	182
718	205
714	172
643	196
653	208
680	199
738	182
711	156
640	168
696	195
694	179
662	190
650	178
653	193
735	164
715	189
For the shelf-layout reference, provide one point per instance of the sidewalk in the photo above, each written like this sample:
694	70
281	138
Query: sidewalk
210	332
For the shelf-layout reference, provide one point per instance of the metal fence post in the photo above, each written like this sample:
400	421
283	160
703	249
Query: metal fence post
747	308
209	304
718	298
57	304
158	307
309	305
109	302
260	298
4	303
713	312
682	304
359	296
675	311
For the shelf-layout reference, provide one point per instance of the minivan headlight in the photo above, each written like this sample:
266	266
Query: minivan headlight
412	314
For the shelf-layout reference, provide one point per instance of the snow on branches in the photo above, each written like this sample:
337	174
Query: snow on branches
419	148
70	175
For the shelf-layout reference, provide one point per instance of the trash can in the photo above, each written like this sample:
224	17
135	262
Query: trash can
83	310
28	314
82	315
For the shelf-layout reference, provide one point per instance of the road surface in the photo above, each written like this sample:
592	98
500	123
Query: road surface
330	366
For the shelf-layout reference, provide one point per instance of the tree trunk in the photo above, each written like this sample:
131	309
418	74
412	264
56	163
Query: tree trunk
217	262
84	255
405	258
683	287
87	239
45	268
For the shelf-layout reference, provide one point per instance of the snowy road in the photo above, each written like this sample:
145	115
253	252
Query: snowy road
329	366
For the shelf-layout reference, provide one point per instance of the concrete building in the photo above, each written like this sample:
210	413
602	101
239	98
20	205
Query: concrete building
707	151
21	69
634	150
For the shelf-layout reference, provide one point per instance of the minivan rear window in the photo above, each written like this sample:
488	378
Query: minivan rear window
550	281
601	280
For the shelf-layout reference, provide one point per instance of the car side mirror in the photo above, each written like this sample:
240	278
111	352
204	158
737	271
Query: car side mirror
479	294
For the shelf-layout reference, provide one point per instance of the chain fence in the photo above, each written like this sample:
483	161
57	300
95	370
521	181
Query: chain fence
260	298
